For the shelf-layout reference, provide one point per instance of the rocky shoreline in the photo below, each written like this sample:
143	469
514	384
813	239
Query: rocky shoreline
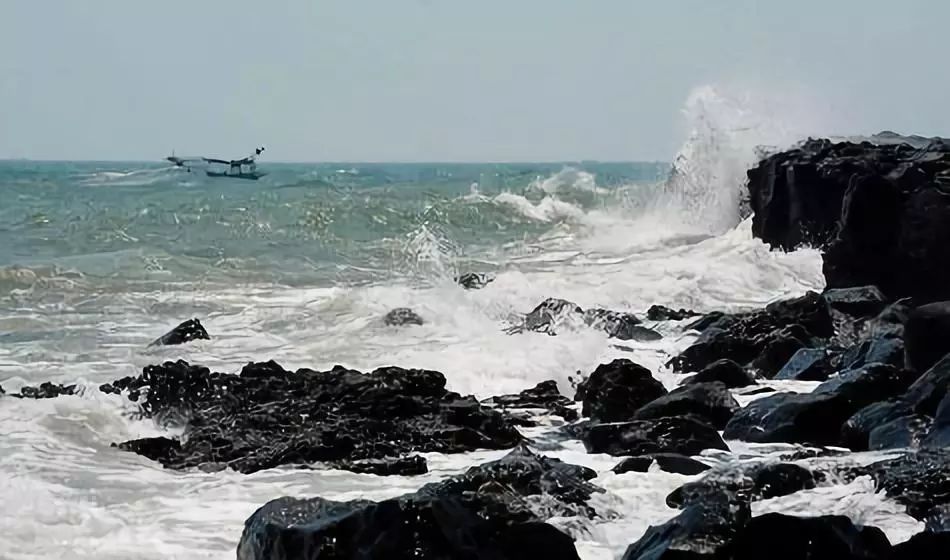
876	343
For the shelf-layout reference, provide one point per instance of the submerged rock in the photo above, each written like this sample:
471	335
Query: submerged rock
663	313
553	314
46	390
615	391
685	435
266	417
543	395
406	466
474	280
402	316
185	332
760	481
668	462
711	401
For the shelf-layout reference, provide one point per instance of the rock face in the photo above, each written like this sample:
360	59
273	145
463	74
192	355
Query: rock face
484	513
927	335
185	332
880	212
553	314
543	395
710	401
766	339
615	391
685	435
267	416
402	316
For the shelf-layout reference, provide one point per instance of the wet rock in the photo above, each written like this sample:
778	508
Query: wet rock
727	372
861	301
778	347
919	480
925	394
938	519
903	432
880	350
878	211
549	314
759	391
890	322
784	537
405	466
614	391
474	280
710	401
268	417
663	313
402	316
781	479
552	314
543	395
622	326
929	545
708	320
685	435
939	432
183	333
46	390
155	448
668	462
927	335
808	364
701	531
856	432
758	481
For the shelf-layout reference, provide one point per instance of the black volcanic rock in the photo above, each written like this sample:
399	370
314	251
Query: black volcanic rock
268	417
807	364
668	462
663	313
927	335
45	390
543	395
860	301
482	514
614	391
928	545
552	314
406	466
783	537
727	372
185	332
747	484
402	316
474	280
879	211
711	401
685	435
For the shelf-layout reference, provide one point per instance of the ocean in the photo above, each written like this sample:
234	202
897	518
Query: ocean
99	259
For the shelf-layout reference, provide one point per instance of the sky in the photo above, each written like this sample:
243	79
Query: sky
450	80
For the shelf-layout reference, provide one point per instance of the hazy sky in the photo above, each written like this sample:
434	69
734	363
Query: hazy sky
318	80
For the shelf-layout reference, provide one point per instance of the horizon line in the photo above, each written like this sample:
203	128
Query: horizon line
354	161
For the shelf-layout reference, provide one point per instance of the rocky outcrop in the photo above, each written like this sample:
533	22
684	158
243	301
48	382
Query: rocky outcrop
727	372
185	332
544	395
615	391
402	316
553	315
685	435
266	416
711	401
663	313
492	511
748	483
880	212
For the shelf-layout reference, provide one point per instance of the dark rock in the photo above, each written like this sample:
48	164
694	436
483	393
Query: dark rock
159	449
663	313
862	301
890	322
781	479
710	401
759	391
918	480
928	545
816	418
925	394
185	332
474	280
727	372
402	316
939	433
46	390
878	211
622	326
856	432
750	483
685	435
903	432
668	462
882	350
778	347
707	321
783	537
614	391
549	314
406	466
927	335
701	532
808	364
543	395
271	417
938	519
553	313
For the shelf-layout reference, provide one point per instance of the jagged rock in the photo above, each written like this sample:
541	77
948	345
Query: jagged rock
406	466
685	435
749	483
543	395
46	390
918	480
267	417
708	320
743	337
829	537
710	401
402	316
549	314
856	432
928	545
815	418
902	432
878	211
155	448
614	391
552	313
701	532
890	322
669	462
474	280
727	372
185	332
927	335
663	313
861	301
622	326
925	394
808	364
879	350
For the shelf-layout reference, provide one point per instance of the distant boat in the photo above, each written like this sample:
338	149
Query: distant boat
245	168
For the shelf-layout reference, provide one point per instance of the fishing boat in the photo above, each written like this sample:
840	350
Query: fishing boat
244	168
